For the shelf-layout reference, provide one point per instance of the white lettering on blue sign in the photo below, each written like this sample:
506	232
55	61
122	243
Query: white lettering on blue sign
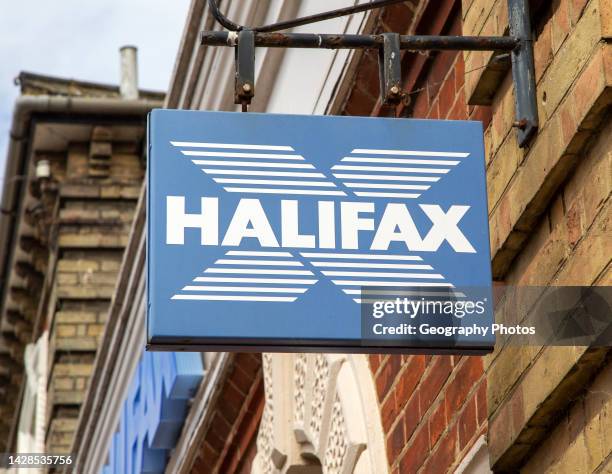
250	221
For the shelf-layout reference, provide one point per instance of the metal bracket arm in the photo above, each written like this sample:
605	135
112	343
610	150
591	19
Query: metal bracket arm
328	41
388	45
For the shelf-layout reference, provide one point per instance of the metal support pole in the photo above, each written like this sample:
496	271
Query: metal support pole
327	41
244	88
523	74
390	70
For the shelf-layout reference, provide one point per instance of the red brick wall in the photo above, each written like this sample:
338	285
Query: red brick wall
229	442
433	408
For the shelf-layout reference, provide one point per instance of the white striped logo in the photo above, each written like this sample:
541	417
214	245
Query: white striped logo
394	173
259	169
251	276
283	276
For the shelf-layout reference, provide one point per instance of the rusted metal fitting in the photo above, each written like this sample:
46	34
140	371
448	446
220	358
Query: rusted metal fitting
520	124
244	89
389	67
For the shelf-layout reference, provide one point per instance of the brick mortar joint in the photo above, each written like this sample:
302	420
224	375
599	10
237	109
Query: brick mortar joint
590	54
240	417
496	154
603	272
383	361
440	398
544	125
587	231
579	394
517	383
605	203
397	377
547	124
485	15
553	276
460	454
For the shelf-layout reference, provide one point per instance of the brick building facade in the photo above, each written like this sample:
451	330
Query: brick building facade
533	409
73	177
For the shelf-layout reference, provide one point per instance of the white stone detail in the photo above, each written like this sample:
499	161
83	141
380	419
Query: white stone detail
265	439
335	451
299	376
320	416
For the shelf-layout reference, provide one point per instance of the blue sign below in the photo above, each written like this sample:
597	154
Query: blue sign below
153	412
287	232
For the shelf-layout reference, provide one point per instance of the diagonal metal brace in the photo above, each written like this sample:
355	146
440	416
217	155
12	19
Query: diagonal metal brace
305	20
244	88
523	74
389	68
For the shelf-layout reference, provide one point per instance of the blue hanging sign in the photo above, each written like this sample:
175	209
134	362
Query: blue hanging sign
288	232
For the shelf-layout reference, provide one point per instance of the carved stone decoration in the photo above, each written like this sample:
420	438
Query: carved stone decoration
299	376
335	451
265	440
320	416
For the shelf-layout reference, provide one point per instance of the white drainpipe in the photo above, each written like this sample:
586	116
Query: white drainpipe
128	87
